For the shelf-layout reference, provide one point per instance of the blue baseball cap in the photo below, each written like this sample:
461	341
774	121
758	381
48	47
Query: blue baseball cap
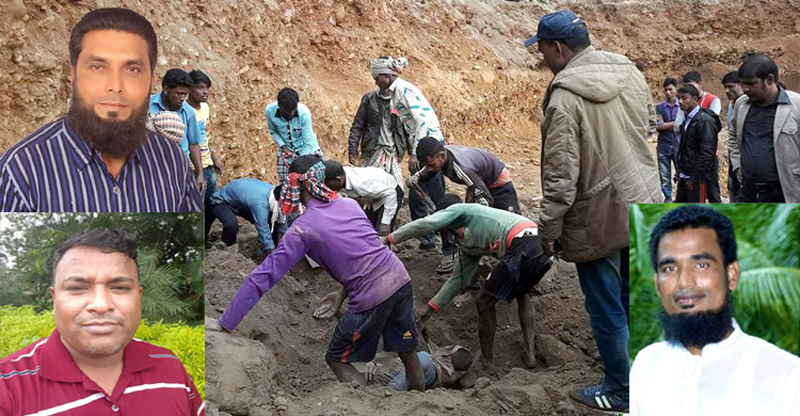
557	26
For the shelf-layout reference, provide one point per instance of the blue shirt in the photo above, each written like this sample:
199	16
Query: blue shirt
54	170
250	197
302	140
191	135
667	140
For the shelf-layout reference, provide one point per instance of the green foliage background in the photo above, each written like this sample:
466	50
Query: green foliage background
170	258
767	302
22	326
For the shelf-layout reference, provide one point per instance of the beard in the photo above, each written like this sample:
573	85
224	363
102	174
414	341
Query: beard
698	329
112	137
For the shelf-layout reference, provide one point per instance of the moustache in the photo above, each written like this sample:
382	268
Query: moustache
104	318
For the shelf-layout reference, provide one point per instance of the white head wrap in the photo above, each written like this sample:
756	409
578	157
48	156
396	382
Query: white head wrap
387	66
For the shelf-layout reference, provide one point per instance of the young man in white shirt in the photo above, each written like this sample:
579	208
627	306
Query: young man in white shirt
372	187
706	365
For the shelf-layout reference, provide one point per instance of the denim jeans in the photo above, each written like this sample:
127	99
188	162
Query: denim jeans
665	163
211	187
605	284
435	189
399	382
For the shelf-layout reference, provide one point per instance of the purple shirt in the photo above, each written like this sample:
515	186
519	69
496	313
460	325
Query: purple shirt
339	237
667	140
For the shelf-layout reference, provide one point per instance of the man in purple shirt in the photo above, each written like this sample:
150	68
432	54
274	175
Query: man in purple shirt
336	233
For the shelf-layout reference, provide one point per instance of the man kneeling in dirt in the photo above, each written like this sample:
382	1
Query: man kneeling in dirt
335	233
485	231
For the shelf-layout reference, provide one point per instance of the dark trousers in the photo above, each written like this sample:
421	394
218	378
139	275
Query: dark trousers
435	189
376	216
762	192
211	187
684	194
230	224
505	198
712	185
734	187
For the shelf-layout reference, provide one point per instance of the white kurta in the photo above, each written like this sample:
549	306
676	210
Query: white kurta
742	375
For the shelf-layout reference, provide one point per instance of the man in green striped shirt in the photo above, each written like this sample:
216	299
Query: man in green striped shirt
485	231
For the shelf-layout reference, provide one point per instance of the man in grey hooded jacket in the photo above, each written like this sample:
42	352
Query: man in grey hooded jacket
598	114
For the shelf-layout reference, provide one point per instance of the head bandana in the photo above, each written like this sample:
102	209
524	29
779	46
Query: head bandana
168	124
314	181
387	66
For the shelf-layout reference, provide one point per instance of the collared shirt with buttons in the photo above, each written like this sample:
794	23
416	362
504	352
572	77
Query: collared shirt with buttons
741	375
43	379
297	134
54	170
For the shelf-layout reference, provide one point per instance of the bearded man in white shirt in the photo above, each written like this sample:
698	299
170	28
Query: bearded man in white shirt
706	365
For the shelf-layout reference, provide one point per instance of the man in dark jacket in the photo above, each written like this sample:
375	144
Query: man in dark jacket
377	136
697	149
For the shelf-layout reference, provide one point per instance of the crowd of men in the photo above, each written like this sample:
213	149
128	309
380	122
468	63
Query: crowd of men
591	169
762	139
116	151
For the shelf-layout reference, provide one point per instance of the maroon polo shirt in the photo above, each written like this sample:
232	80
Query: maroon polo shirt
42	379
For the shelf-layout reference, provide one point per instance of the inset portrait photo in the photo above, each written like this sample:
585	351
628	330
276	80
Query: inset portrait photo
100	313
715	309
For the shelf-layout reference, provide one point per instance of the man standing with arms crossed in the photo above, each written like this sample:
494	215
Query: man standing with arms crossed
598	113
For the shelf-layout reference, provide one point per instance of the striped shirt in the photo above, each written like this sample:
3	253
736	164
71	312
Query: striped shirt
54	170
43	379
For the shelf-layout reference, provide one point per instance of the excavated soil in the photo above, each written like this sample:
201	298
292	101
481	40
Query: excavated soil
273	363
468	59
465	55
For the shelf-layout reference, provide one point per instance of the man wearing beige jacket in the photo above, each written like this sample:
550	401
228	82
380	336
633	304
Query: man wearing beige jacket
764	139
598	114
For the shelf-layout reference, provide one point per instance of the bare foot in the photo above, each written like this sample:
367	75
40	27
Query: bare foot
529	360
488	365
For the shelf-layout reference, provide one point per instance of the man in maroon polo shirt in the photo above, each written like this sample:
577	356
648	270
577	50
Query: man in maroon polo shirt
91	365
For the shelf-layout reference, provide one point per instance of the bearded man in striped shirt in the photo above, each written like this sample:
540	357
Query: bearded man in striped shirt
101	157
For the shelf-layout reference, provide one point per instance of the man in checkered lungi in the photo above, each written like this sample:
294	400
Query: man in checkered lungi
289	123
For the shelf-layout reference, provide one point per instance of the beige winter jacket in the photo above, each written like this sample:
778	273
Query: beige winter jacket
598	114
785	139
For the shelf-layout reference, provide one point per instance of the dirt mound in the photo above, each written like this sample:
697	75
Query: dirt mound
466	56
275	361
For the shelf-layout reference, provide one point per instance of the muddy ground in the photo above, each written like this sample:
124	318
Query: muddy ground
468	59
274	362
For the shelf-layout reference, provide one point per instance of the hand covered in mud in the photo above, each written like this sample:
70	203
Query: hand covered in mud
425	313
212	324
551	247
329	305
383	230
370	371
413	164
